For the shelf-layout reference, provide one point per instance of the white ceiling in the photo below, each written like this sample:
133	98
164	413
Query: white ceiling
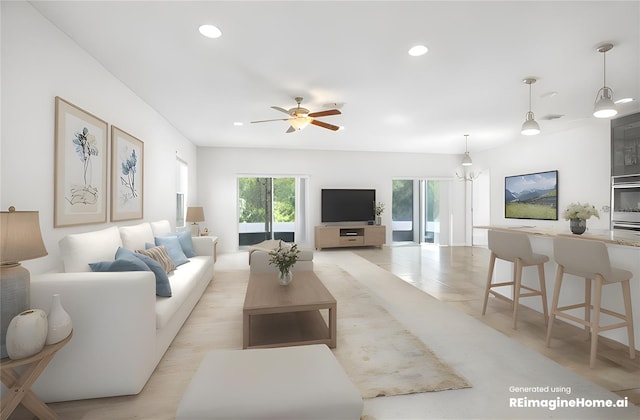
355	52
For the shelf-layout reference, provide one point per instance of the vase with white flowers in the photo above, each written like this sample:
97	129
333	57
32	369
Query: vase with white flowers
578	214
284	257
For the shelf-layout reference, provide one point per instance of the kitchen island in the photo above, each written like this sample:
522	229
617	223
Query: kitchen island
624	252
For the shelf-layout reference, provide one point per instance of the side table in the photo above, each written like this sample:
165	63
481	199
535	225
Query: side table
20	385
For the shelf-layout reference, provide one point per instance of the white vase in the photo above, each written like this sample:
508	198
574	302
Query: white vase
285	278
27	334
59	322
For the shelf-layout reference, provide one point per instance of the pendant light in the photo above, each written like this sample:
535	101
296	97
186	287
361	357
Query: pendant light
466	159
530	127
604	106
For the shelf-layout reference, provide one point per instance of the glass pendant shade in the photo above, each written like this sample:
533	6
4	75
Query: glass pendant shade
466	159
604	106
299	122
530	127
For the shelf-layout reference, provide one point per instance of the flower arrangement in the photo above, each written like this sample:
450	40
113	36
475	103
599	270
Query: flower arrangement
284	257
378	208
580	211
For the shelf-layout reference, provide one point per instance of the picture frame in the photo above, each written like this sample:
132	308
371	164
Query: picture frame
127	176
80	166
531	196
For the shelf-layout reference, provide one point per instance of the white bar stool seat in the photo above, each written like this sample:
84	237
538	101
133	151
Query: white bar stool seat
590	259
516	248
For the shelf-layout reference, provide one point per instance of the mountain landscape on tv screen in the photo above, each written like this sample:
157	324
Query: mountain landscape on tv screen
535	196
538	204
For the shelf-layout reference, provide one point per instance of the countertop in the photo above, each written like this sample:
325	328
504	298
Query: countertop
617	236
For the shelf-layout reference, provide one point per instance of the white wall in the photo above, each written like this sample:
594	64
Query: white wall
582	157
40	62
218	169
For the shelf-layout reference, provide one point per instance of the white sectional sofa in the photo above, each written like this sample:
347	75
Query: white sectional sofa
121	329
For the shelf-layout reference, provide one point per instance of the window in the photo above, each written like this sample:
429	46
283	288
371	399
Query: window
182	185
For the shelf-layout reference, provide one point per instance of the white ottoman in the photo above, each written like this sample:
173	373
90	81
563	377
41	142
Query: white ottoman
304	382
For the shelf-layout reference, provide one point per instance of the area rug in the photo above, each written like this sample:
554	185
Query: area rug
379	355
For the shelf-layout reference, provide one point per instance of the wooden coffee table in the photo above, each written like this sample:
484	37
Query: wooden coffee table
276	316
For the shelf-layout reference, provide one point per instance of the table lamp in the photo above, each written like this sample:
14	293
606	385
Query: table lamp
20	240
195	214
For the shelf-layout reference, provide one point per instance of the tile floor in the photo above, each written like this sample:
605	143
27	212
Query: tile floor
494	361
493	358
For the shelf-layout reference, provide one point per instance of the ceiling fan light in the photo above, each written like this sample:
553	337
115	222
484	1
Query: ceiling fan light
530	127
604	106
466	160
299	122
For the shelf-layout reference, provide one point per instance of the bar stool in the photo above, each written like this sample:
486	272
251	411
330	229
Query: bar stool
516	248
590	259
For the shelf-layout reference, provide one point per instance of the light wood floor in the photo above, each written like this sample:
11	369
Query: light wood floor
457	275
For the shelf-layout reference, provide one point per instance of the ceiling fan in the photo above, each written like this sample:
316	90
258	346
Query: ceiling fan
300	117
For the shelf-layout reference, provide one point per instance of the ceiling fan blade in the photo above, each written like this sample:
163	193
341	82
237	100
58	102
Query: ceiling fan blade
325	125
291	130
325	113
277	119
277	108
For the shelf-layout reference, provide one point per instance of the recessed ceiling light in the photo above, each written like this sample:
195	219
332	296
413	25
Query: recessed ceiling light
210	31
624	100
238	124
418	50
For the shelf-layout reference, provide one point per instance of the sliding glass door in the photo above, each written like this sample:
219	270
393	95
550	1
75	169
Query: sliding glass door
420	211
402	210
271	208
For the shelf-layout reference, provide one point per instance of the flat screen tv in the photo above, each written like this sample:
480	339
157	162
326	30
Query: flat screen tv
348	205
531	196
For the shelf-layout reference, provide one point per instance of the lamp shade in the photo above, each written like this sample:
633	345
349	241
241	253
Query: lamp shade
530	127
604	106
466	160
299	122
20	237
195	214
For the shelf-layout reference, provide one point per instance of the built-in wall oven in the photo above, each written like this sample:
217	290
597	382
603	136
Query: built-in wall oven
625	202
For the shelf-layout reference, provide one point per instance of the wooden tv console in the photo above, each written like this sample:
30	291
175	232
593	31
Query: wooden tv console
348	236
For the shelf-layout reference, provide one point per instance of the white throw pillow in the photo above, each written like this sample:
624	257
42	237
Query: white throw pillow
78	250
160	228
134	237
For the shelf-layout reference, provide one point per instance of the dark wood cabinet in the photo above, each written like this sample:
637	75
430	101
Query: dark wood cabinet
625	145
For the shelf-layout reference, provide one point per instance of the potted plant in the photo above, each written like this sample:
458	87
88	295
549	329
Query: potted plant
378	208
578	214
284	257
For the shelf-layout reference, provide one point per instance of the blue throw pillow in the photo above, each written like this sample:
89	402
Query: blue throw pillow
120	264
174	249
163	287
185	242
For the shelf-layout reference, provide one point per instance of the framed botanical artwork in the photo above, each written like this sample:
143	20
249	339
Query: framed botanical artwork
80	161
127	176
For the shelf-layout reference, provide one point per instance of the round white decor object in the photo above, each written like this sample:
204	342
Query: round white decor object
27	333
